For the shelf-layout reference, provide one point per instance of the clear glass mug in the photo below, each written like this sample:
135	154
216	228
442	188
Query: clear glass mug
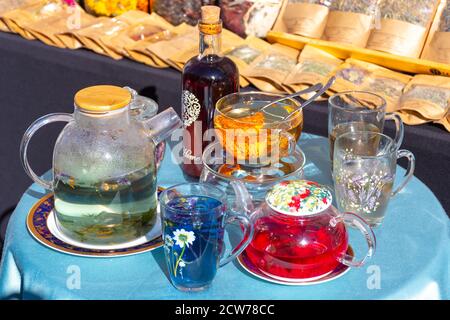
364	177
104	165
220	170
257	137
194	216
359	111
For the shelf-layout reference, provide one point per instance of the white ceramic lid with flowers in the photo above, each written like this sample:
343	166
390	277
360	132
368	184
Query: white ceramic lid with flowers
299	198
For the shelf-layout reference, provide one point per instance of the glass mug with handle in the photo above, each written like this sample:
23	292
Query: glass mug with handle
359	111
364	177
194	216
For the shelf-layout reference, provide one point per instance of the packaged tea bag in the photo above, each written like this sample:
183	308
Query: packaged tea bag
351	21
359	75
159	52
404	26
104	28
303	17
151	27
428	96
246	53
250	17
56	30
437	47
9	5
138	51
91	35
33	12
314	66
268	71
230	41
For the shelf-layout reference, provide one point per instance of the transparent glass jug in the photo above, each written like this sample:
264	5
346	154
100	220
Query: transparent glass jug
104	165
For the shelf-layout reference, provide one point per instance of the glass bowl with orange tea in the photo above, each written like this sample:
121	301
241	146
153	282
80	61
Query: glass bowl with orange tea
254	134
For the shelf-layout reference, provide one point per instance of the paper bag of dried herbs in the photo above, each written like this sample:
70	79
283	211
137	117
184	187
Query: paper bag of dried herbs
250	17
303	17
138	51
56	30
427	96
16	19
151	27
185	40
360	75
314	66
268	71
229	41
437	47
9	5
351	21
244	54
404	26
94	36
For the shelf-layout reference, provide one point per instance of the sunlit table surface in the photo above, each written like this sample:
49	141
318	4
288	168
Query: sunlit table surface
412	260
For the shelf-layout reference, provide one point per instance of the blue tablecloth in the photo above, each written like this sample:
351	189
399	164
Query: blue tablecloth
412	258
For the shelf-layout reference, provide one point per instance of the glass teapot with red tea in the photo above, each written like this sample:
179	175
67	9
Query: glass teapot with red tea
299	235
104	165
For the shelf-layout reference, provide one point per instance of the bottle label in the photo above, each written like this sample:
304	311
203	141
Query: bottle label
191	108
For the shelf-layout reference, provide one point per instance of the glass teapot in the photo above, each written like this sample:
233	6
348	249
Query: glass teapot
104	165
299	235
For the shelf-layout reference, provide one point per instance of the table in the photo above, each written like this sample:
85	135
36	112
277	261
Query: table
413	256
37	79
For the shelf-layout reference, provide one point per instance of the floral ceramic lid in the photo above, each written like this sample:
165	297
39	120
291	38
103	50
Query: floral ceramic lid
299	198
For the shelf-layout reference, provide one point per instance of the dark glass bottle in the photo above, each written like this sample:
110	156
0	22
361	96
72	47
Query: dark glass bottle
206	78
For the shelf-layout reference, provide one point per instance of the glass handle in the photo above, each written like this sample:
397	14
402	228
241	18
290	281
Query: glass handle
248	236
399	129
367	231
160	150
409	172
35	126
292	143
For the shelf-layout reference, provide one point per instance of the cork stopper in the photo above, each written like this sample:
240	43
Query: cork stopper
210	14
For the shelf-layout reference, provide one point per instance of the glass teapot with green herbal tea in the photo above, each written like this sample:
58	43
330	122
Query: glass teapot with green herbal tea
104	165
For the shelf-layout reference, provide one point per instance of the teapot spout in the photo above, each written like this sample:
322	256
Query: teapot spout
161	126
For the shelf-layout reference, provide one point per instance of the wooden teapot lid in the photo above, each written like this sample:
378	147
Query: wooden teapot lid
102	98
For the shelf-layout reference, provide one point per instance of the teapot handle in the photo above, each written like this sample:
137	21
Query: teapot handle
35	126
240	212
367	231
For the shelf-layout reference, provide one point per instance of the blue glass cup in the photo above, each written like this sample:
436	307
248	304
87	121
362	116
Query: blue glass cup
194	216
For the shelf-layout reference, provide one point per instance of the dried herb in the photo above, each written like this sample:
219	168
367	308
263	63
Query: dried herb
367	7
245	53
439	96
444	26
418	12
277	62
389	87
353	74
318	67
